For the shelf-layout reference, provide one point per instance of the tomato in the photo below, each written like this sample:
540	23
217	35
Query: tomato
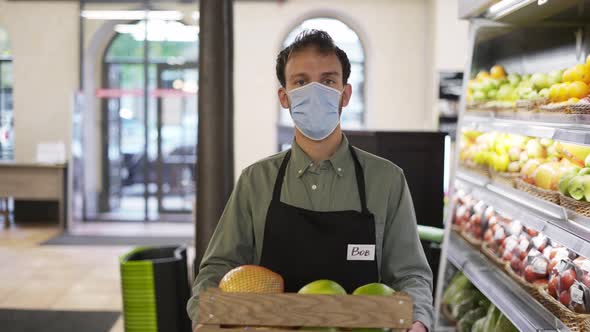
564	298
552	288
529	274
566	280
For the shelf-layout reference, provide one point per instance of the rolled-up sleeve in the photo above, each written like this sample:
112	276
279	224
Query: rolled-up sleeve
232	245
404	265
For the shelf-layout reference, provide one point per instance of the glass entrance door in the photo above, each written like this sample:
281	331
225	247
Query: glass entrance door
176	137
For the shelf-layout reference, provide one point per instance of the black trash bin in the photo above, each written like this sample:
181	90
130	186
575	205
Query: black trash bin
155	289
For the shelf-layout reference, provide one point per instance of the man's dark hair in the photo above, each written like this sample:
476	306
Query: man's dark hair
322	42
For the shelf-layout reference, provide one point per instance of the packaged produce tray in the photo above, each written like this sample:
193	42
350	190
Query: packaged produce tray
472	240
283	312
574	321
532	289
580	207
548	195
505	178
485	249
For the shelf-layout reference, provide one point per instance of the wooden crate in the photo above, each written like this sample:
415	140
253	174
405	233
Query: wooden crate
289	311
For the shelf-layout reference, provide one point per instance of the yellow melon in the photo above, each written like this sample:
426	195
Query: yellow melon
252	279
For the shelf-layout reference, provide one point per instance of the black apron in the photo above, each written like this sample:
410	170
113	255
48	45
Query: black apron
303	246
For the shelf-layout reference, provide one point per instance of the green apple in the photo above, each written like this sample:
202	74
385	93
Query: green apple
504	92
514	167
554	77
501	163
492	94
526	78
544	93
323	286
540	81
524	157
547	176
564	184
479	96
579	186
532	95
514	79
514	153
584	171
535	150
546	142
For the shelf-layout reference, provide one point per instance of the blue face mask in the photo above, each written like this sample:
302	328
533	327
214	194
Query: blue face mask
315	110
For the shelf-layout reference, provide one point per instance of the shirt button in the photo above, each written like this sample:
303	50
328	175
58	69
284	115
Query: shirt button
314	187
339	169
300	171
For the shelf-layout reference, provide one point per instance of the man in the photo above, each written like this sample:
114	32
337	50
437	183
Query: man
301	212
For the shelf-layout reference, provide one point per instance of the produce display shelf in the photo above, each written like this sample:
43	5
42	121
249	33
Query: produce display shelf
570	128
529	11
555	221
521	308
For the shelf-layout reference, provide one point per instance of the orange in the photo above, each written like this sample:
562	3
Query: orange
252	279
482	75
497	72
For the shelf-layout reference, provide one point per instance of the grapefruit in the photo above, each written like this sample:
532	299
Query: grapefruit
252	279
324	287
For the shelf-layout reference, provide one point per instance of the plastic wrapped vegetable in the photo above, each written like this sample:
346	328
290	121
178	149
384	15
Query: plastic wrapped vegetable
468	320
457	284
504	325
491	319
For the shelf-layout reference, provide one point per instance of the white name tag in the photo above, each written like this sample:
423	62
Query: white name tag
361	252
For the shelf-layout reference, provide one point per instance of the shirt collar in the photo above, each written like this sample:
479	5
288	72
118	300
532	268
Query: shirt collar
339	160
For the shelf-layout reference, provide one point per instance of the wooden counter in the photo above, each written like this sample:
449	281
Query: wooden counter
41	182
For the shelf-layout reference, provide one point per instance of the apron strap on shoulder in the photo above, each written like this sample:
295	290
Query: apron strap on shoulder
360	179
279	181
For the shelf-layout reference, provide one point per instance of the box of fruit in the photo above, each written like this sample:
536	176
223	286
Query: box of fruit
252	297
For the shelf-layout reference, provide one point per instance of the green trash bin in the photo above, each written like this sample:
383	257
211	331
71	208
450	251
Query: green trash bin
155	287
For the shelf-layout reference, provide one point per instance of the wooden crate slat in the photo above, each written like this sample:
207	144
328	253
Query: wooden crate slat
294	310
206	328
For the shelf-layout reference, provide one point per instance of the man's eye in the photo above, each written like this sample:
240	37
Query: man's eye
328	82
300	82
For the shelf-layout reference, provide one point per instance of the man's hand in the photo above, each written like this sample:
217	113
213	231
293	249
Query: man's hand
418	327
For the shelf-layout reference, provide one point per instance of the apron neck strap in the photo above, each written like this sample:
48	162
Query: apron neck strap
360	179
276	195
358	170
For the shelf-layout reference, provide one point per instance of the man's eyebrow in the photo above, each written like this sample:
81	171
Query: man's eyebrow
298	75
331	73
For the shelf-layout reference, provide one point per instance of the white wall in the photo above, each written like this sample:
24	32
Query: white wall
450	36
395	35
44	39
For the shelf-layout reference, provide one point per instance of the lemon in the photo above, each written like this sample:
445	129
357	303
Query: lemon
578	90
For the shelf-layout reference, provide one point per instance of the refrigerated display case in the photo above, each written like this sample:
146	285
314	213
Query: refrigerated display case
522	37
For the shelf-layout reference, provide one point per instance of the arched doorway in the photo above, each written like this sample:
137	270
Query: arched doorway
148	140
6	100
353	117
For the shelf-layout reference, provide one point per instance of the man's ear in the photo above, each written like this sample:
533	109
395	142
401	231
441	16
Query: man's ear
346	94
283	97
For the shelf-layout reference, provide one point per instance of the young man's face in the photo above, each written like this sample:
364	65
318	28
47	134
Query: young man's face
307	66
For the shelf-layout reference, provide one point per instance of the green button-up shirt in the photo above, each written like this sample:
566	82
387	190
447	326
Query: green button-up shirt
329	185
